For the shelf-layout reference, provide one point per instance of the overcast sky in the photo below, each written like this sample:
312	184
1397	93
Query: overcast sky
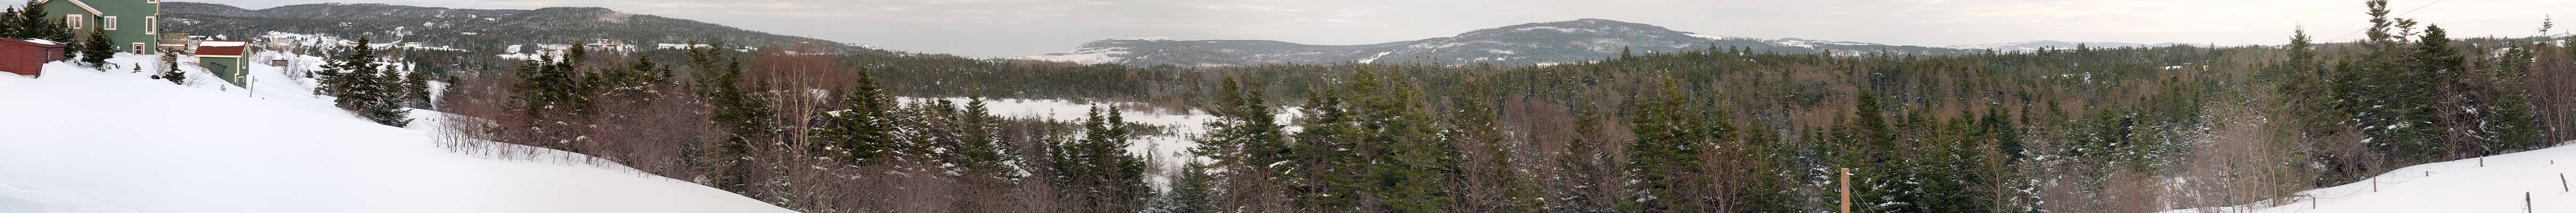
1004	28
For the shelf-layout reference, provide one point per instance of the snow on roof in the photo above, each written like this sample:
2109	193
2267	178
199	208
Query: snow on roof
222	43
220	50
44	42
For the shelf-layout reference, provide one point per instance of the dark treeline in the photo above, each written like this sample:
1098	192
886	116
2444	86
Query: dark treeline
1719	130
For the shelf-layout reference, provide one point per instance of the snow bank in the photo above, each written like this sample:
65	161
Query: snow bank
2455	186
80	140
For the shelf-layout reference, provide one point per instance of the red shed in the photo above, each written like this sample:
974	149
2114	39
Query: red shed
28	57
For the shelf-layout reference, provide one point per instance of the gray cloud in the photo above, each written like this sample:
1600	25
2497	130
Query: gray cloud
1002	28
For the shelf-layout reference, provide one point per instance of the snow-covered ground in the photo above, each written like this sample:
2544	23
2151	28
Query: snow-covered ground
2455	186
1183	126
81	140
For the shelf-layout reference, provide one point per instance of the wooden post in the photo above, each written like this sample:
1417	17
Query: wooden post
2482	162
2374	184
2428	173
1847	190
2562	182
2526	202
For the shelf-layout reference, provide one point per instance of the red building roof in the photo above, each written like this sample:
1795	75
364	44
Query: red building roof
223	48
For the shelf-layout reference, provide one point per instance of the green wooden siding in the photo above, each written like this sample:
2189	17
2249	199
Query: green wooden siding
230	69
133	25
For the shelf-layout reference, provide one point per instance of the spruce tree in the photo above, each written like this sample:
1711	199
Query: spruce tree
358	85
415	90
1245	142
97	49
862	127
10	26
1095	173
1329	174
745	118
175	77
1195	191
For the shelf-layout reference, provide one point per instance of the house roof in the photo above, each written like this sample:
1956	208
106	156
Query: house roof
235	49
31	42
83	6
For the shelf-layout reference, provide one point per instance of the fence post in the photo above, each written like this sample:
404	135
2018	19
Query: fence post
1846	190
2374	184
2562	182
2526	202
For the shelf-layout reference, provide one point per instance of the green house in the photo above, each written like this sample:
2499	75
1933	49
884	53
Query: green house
228	60
133	25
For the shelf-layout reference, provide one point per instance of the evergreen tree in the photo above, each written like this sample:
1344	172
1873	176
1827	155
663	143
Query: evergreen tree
1664	158
862	128
1193	192
415	90
10	26
97	48
1095	173
1415	162
357	84
1583	171
31	21
979	147
175	77
745	118
1330	174
1246	142
548	86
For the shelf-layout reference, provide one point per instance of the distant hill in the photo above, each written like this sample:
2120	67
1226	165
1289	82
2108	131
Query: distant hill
1523	44
481	30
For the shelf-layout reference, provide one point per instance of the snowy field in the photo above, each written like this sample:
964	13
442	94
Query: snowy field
80	140
2455	186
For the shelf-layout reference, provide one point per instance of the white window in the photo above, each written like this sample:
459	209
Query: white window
107	23
74	20
152	1
151	24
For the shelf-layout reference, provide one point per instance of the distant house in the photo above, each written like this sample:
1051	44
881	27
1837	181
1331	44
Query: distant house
176	42
680	46
609	45
227	59
133	25
28	57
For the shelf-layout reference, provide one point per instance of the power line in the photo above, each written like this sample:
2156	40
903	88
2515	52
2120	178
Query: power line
2409	11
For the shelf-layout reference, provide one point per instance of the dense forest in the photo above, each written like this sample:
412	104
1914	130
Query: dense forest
1719	130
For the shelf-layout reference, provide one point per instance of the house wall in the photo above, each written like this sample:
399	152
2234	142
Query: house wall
135	20
229	69
24	60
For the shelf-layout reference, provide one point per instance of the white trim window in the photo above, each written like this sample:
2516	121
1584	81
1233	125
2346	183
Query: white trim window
74	20
107	23
151	24
152	1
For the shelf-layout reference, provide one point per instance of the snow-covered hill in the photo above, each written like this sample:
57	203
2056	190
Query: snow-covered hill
1523	44
81	140
2455	186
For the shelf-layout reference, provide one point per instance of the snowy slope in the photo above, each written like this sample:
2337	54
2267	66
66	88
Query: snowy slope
79	140
2455	186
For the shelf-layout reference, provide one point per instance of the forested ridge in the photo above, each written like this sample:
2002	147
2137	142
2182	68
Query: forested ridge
1716	130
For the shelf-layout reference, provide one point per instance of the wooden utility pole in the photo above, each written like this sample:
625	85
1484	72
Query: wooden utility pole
1846	190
